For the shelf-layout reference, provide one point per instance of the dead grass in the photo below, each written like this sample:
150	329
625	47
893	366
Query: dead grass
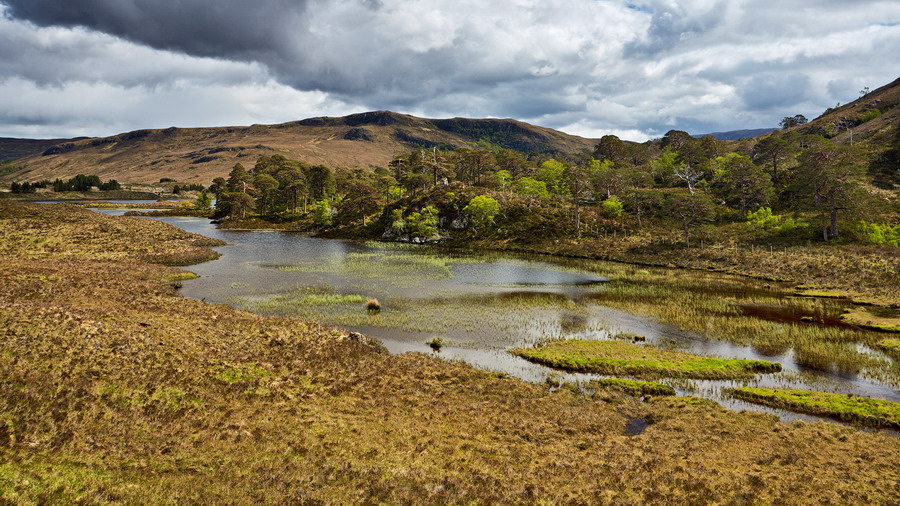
113	389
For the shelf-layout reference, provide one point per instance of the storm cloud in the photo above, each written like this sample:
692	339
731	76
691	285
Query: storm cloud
590	67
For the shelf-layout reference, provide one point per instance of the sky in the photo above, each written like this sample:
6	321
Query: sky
635	69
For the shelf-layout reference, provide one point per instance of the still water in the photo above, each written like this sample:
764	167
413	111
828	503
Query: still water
478	305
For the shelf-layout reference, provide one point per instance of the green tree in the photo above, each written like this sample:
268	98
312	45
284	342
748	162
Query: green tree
611	148
740	183
238	179
690	209
323	213
423	224
829	177
266	186
321	182
234	205
553	173
482	210
203	201
531	187
773	153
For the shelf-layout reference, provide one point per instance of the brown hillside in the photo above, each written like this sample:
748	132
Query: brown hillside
856	121
11	148
197	155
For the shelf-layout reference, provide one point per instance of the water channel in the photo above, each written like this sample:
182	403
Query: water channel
481	305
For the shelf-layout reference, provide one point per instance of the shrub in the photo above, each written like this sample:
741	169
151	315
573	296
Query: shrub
482	209
611	208
323	213
880	233
869	115
764	219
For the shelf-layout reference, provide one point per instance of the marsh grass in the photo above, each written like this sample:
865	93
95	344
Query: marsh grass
713	305
626	359
634	388
848	408
891	346
885	320
113	389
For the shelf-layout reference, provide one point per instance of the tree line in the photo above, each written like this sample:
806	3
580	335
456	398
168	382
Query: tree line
804	182
79	183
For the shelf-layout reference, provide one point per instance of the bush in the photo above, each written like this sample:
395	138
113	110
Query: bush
323	213
611	208
869	115
880	233
764	219
482	209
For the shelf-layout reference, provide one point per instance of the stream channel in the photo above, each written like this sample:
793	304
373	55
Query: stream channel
481	305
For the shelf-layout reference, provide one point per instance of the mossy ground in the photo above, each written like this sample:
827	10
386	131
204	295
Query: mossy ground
867	318
627	359
849	408
636	388
113	389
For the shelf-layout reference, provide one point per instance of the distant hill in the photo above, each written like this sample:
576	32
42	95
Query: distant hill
735	135
197	155
11	149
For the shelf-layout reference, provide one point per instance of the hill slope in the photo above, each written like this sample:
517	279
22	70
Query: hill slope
870	118
11	148
197	155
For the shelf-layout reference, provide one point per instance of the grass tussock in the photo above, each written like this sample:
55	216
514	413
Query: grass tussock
891	346
115	389
627	359
848	408
635	388
880	319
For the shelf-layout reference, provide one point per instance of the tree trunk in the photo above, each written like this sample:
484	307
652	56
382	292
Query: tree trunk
687	234
834	223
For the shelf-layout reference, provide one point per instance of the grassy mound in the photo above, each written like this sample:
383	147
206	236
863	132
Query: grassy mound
627	359
848	408
876	318
633	387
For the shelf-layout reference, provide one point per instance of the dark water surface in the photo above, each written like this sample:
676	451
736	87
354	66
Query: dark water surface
479	305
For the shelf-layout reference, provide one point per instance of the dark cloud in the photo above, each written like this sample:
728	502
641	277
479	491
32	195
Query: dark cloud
242	29
586	65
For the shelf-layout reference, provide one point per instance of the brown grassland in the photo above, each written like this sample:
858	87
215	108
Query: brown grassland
114	389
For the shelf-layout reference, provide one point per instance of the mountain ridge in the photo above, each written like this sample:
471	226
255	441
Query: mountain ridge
197	155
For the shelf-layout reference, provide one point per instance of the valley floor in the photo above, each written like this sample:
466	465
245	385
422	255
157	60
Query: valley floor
113	388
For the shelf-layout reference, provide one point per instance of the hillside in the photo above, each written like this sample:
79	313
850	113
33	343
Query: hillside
11	148
197	155
869	119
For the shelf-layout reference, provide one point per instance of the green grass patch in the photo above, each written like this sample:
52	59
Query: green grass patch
887	321
636	388
848	408
622	358
240	373
890	346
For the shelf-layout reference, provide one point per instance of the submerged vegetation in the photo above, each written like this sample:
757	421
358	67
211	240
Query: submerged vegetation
848	408
627	359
